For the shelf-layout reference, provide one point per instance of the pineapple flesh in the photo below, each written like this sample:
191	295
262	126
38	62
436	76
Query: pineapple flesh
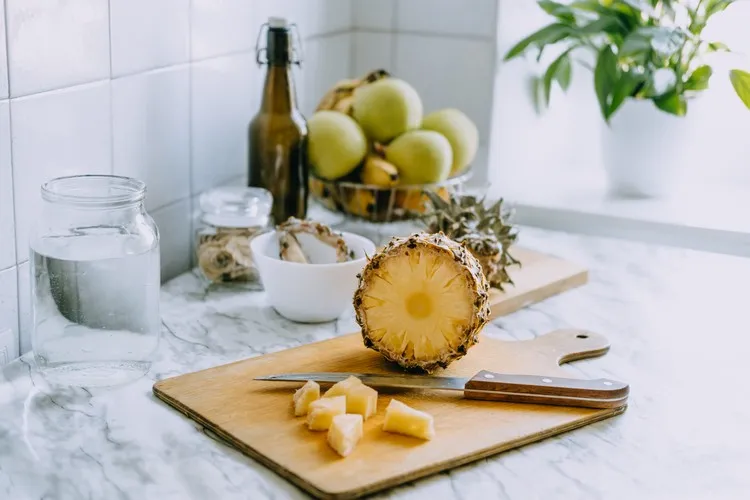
304	396
321	412
344	433
360	399
403	419
422	301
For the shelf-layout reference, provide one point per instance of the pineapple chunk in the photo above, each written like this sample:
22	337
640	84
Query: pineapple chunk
362	400
342	388
403	419
422	301
344	433
321	412
359	398
304	396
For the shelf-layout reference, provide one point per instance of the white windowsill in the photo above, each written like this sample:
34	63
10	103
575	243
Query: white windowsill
716	220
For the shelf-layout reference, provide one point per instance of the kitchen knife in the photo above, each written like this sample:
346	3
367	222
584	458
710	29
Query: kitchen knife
491	386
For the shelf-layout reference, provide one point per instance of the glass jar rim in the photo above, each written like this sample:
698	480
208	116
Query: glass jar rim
94	190
236	206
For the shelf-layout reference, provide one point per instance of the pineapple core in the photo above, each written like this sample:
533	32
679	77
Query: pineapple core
304	396
402	419
345	433
360	399
321	412
422	302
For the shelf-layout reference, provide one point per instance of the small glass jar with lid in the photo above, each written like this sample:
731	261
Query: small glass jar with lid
228	219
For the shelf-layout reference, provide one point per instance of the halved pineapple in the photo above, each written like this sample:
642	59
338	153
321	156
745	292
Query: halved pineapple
422	301
321	412
360	399
403	419
304	396
345	433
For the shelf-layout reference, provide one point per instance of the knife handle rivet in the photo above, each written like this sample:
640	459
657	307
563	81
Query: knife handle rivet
489	375
607	382
547	380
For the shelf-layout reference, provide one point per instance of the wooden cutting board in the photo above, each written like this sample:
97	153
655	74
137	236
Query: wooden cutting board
540	276
256	417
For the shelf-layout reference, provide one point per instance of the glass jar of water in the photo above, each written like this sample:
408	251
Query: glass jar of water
95	278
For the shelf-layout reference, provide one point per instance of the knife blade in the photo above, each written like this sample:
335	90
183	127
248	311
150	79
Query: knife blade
490	386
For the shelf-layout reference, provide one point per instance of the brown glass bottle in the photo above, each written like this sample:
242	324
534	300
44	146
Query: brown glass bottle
277	135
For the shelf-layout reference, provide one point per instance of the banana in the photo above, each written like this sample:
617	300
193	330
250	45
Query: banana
378	172
360	202
341	96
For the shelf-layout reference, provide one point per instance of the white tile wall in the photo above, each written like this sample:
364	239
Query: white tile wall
148	34
373	15
477	18
151	132
56	43
63	132
7	225
164	91
223	99
3	55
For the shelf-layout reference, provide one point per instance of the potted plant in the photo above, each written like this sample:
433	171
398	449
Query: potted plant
648	62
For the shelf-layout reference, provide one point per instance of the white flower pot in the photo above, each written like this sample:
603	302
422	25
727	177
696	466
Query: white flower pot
643	149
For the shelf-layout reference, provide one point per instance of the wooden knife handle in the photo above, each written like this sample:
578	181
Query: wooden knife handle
599	393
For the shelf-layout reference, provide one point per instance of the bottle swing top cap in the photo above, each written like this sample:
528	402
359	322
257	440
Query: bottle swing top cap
277	22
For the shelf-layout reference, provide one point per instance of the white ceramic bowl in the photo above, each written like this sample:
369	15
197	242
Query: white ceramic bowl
309	293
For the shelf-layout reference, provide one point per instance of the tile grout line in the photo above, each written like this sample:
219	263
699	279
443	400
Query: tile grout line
12	184
111	94
191	163
427	34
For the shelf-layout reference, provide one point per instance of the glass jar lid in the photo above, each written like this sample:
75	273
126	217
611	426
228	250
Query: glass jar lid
236	206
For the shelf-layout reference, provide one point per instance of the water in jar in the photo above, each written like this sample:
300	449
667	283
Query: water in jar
96	295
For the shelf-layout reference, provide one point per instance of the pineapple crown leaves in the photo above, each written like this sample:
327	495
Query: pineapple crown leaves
485	230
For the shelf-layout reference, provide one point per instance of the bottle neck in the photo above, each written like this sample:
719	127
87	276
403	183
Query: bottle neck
279	93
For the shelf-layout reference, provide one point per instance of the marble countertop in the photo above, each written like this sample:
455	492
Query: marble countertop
677	321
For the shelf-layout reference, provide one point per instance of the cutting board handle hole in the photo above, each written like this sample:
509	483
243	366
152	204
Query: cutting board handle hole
582	336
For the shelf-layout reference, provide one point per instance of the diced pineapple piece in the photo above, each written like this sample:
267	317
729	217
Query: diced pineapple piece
362	400
403	419
320	413
304	396
359	398
344	433
341	388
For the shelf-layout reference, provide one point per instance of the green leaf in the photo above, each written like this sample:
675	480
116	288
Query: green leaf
605	75
672	102
560	11
551	33
718	47
536	90
626	86
609	24
741	83
559	70
698	80
716	6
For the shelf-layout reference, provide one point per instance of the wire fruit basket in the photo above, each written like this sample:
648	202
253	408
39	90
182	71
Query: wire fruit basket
378	203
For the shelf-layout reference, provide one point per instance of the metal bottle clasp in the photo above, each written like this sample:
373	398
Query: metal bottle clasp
295	55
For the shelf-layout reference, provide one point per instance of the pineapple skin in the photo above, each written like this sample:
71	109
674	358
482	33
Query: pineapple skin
471	267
